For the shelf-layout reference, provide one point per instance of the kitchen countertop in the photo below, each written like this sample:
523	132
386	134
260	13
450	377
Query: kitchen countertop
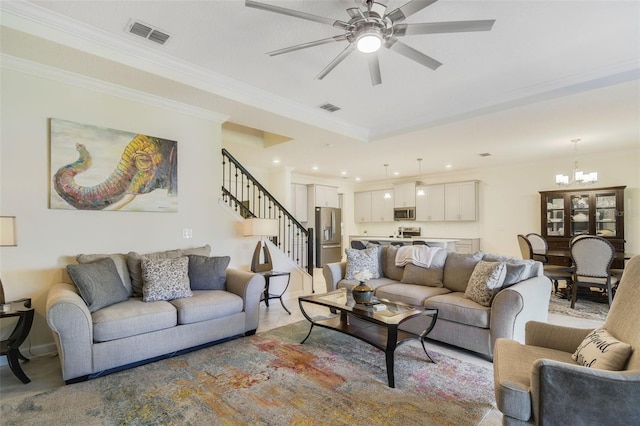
404	240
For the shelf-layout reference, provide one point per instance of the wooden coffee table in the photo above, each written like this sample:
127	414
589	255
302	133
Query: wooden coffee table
381	328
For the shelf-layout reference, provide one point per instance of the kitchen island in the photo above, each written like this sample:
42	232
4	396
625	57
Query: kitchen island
448	243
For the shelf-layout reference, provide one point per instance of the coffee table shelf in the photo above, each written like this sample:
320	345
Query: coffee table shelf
379	328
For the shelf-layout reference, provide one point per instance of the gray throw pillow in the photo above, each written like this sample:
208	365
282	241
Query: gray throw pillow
120	261
515	273
99	283
165	279
208	273
431	276
458	269
389	263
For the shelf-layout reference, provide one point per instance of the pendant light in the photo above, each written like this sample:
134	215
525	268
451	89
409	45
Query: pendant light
419	184
387	195
578	175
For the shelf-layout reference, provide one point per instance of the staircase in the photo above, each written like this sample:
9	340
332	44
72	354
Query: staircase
247	197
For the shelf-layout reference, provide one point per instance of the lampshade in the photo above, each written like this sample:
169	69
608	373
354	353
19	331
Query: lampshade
255	227
8	231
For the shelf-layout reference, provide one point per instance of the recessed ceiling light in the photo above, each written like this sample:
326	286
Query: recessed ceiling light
276	161
448	166
343	173
315	168
396	173
358	179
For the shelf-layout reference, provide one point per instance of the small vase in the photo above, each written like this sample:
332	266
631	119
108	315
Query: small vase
362	293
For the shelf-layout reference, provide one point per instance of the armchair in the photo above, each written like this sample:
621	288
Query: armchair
539	382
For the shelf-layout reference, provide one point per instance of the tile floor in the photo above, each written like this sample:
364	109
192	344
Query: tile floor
44	370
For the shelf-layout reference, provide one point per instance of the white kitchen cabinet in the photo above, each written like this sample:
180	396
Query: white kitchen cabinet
404	195
299	202
362	207
381	206
430	205
325	196
461	201
468	245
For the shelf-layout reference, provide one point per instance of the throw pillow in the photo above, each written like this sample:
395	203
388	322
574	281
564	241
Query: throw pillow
134	262
165	279
361	260
485	282
603	351
515	273
431	276
458	269
99	283
389	263
530	269
208	273
121	265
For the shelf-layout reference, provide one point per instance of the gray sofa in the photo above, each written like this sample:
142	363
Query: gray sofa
93	340
463	322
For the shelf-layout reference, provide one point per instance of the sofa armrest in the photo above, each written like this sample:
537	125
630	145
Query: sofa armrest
72	326
566	339
562	391
250	287
518	304
333	273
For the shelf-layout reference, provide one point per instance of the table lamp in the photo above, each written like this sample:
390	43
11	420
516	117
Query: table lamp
7	239
255	227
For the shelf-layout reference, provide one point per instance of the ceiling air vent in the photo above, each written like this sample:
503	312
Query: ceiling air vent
329	107
147	31
485	154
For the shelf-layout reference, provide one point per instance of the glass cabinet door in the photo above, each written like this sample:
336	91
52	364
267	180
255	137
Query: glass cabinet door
579	214
555	215
606	215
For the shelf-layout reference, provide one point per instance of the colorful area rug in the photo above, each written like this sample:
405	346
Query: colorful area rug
270	379
584	308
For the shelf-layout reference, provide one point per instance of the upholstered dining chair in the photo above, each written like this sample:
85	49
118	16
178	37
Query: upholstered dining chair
554	272
358	245
539	382
539	246
592	257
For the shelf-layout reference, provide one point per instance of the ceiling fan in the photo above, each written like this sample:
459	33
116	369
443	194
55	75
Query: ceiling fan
368	30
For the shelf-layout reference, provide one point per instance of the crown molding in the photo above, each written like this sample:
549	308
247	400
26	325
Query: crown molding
35	20
67	77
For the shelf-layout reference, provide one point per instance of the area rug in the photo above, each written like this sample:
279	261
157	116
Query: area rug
584	308
271	379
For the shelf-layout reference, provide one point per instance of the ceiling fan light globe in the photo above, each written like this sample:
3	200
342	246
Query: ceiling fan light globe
369	42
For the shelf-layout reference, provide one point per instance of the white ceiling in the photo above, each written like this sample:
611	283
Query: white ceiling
548	72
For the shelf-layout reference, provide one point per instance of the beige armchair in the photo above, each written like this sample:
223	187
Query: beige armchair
539	383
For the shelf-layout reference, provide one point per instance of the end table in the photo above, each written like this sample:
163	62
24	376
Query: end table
11	347
268	296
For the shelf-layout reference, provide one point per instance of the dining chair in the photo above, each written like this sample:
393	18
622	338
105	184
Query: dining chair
358	245
554	272
419	243
539	246
592	257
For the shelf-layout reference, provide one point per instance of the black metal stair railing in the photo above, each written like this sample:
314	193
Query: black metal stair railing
247	197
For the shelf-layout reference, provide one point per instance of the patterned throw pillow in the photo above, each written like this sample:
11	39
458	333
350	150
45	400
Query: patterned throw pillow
165	279
360	260
485	282
603	351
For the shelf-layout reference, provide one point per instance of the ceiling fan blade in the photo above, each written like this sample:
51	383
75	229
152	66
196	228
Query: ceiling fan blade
411	53
443	27
355	12
335	62
296	14
403	12
374	69
306	45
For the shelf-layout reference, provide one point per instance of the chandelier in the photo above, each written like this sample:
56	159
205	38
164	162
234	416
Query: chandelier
578	175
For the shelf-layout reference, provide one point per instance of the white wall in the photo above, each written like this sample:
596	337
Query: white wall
49	239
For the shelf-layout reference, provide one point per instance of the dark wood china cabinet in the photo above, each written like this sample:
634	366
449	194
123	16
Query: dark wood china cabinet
567	213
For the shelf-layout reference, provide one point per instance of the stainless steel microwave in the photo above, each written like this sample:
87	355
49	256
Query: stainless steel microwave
404	213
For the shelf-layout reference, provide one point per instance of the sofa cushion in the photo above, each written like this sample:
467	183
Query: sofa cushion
431	276
512	375
165	279
131	318
458	269
99	283
389	263
456	307
514	267
412	294
208	273
119	259
601	350
135	266
485	282
207	305
373	283
361	260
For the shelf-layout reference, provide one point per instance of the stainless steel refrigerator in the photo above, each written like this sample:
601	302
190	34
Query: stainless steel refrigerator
328	235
